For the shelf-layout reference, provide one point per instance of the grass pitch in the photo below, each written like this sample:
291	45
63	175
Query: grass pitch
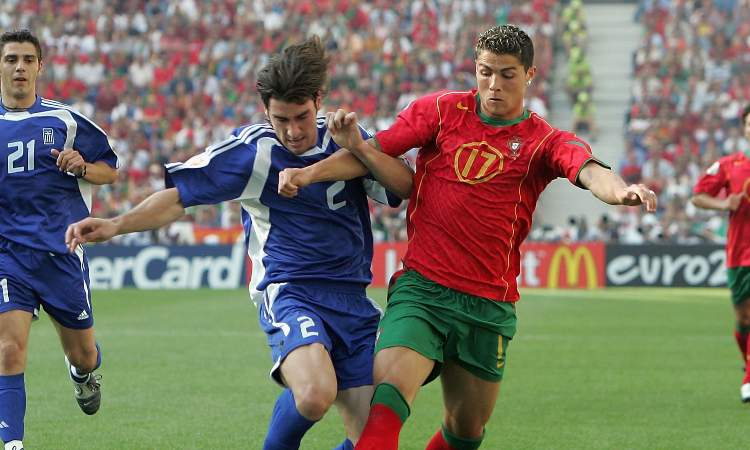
605	369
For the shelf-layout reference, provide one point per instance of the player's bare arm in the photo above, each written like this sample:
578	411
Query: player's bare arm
342	165
70	160
158	209
392	173
608	187
389	171
706	201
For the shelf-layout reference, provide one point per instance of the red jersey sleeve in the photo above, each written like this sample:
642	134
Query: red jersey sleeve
415	127
713	180
567	154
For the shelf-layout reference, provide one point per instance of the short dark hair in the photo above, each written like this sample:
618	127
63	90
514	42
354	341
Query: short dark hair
507	40
21	36
745	113
299	73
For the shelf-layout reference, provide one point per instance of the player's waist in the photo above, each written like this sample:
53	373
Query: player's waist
457	280
349	287
21	244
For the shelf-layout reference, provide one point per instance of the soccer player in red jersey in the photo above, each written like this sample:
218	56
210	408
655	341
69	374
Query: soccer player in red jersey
483	162
731	174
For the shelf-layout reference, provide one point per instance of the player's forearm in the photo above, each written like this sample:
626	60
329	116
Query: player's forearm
340	166
602	182
706	201
157	210
100	173
391	172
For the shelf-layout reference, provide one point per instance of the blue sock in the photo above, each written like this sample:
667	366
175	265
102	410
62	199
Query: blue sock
12	407
346	445
287	425
78	377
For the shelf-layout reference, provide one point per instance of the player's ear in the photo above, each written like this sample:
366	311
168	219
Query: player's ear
530	75
318	101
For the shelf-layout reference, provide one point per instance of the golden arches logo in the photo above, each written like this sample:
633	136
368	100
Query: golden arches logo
573	260
477	162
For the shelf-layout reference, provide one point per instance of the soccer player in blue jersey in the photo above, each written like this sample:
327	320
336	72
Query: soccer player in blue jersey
51	155
311	255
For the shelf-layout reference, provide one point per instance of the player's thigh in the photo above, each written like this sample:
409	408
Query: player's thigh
469	400
64	291
354	406
289	323
309	365
738	280
14	338
404	368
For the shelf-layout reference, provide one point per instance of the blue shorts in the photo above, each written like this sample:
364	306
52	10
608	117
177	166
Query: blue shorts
58	282
337	315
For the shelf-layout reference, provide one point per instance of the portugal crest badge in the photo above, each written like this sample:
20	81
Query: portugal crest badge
514	146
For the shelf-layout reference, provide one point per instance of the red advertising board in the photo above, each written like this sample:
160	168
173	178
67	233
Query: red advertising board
579	266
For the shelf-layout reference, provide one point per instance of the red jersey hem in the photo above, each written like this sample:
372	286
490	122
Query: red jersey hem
488	294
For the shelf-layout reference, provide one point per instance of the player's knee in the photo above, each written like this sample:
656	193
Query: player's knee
83	359
743	314
314	400
12	355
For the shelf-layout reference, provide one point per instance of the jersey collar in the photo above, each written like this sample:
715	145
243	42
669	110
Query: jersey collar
31	108
499	122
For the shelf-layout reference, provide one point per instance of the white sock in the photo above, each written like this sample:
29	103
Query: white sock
77	377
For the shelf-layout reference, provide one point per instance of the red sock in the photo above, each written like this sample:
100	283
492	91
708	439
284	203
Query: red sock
438	442
747	359
381	430
741	339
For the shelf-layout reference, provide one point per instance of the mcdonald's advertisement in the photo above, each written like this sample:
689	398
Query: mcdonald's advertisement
578	266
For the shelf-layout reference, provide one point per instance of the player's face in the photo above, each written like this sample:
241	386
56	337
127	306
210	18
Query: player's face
295	124
502	82
20	67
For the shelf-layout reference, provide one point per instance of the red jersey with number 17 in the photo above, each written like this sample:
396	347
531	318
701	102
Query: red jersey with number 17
732	173
475	189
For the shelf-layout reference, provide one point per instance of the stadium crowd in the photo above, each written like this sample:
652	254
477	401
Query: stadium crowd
167	78
691	76
691	81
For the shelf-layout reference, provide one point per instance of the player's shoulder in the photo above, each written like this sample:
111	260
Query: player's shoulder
537	125
461	100
46	104
736	157
252	133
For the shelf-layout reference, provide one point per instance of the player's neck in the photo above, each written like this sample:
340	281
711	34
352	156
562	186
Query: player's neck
14	104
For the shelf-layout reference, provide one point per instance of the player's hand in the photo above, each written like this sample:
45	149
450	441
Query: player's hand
733	201
292	180
70	161
638	194
89	230
344	129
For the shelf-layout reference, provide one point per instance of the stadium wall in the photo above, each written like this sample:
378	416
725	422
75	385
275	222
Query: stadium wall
544	265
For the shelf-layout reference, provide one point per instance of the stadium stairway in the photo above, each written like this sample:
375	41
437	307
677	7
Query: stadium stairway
613	36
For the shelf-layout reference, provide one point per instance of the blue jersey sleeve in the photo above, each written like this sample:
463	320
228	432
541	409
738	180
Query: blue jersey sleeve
221	173
92	142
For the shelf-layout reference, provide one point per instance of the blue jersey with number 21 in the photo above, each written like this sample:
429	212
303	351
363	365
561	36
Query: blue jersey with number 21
37	201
